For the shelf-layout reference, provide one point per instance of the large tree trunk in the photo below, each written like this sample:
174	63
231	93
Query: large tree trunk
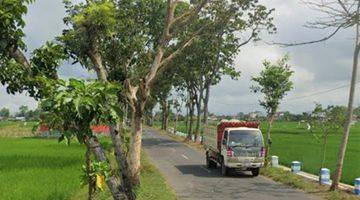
121	160
206	105
191	120
113	182
135	147
198	119
345	138
88	171
163	114
268	138
187	116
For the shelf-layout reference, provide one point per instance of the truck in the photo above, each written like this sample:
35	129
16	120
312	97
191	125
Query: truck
235	145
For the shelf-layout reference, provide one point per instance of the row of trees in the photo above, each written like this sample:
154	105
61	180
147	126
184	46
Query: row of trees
24	111
135	47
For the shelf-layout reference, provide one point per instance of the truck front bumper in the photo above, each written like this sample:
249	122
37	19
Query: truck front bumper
245	163
245	166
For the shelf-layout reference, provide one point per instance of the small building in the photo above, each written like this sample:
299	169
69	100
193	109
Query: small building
20	119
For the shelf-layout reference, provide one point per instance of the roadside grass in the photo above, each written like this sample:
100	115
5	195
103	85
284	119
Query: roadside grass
288	178
293	142
16	129
153	184
39	169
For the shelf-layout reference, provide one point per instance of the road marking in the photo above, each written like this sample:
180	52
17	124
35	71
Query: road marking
205	169
184	157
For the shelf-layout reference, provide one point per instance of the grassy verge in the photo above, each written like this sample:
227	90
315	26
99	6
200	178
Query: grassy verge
299	182
153	185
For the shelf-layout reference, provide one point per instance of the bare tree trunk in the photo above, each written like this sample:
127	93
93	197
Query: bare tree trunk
191	120
198	119
187	116
113	182
122	161
206	105
345	138
135	147
163	114
268	138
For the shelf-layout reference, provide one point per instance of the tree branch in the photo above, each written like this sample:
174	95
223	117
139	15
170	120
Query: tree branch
19	57
309	42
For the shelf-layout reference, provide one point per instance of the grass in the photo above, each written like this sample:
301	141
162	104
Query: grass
35	168
39	169
16	129
288	178
153	185
293	142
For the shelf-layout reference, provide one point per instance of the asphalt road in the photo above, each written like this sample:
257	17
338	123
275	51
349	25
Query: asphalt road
185	170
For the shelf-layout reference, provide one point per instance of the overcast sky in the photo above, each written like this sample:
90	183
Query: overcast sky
318	67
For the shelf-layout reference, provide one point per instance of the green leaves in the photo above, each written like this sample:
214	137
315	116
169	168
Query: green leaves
274	82
77	104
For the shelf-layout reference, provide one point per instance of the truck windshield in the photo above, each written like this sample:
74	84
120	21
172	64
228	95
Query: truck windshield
245	138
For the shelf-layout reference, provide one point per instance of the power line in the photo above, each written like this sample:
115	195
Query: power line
295	98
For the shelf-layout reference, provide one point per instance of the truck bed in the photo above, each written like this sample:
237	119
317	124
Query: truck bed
210	138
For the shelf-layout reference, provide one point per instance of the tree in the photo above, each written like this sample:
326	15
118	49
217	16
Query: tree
328	120
137	39
22	111
212	55
339	15
71	109
5	113
274	83
20	73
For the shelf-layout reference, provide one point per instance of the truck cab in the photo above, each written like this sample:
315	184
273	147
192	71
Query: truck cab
240	146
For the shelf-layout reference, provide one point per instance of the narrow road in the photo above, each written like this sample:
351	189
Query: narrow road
184	168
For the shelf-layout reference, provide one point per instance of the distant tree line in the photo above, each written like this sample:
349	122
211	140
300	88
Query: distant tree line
24	111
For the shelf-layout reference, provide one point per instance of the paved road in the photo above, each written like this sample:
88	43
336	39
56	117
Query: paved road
185	170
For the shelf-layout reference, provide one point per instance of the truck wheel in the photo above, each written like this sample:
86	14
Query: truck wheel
224	169
210	163
255	172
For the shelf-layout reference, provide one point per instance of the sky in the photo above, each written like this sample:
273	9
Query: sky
318	68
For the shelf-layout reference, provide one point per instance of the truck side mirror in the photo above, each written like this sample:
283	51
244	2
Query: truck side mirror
224	142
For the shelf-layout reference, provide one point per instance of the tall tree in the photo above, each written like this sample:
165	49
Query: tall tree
274	83
21	73
327	120
339	15
140	34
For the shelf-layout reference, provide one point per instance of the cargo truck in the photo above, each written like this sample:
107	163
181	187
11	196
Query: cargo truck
234	145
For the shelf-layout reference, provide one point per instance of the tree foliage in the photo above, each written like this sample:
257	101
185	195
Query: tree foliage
75	105
274	83
5	113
